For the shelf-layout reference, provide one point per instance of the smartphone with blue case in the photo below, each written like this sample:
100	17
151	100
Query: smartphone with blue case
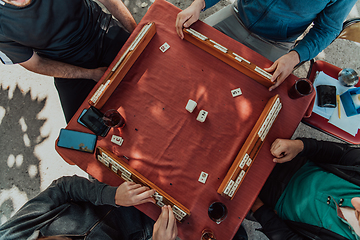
80	141
92	119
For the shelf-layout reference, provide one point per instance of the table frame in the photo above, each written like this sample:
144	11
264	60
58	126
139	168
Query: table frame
164	16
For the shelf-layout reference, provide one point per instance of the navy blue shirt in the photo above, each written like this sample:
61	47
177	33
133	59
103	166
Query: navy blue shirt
62	30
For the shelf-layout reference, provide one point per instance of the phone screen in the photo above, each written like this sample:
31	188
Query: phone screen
80	141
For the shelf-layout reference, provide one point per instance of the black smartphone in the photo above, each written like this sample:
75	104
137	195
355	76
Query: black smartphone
326	95
92	119
80	141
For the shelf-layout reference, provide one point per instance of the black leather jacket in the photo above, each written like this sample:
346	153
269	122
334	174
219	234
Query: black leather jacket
340	159
79	209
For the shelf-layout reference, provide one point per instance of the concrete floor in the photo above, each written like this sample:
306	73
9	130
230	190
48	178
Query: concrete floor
31	118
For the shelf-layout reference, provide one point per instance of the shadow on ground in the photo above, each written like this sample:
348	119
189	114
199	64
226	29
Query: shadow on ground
20	134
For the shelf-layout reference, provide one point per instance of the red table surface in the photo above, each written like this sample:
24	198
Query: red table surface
318	121
167	145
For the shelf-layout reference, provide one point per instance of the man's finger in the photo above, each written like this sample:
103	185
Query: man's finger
160	220
276	144
279	152
139	189
128	183
189	21
274	86
146	200
171	218
139	195
276	76
271	68
165	217
145	194
181	23
278	149
286	158
179	26
132	185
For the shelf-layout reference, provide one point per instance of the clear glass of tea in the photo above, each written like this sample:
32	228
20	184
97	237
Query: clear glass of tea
207	234
113	118
217	212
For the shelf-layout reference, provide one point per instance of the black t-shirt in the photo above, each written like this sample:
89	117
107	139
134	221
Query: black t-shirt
63	30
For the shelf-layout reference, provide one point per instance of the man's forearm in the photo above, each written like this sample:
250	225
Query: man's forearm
118	9
58	69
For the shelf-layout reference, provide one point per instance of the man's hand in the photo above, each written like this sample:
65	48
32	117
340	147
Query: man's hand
165	227
131	194
188	16
98	73
282	68
285	150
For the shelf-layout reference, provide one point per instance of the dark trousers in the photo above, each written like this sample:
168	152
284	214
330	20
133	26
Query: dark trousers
73	92
279	179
